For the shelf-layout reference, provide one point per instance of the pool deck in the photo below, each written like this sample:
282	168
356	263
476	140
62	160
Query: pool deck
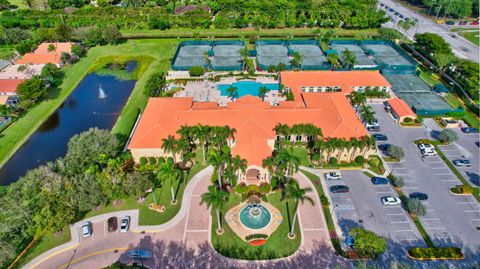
206	91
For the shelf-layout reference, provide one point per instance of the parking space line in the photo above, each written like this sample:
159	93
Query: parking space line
437	168
431	219
395	214
397	222
401	231
471	211
448	180
413	188
435	228
466	203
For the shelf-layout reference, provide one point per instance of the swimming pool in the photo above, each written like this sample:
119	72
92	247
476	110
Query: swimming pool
247	87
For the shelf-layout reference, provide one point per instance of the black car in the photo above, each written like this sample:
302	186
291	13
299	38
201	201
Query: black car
380	137
470	130
384	147
112	224
339	189
418	195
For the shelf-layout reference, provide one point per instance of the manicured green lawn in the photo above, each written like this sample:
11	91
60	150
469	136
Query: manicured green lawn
18	3
470	118
240	33
471	36
13	137
278	245
302	154
42	245
428	77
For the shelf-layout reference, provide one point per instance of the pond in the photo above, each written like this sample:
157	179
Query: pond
96	102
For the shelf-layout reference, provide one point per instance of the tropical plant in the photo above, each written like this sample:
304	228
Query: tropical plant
348	58
367	114
262	92
333	59
169	145
216	199
232	92
367	242
286	159
296	60
239	165
293	191
448	136
415	206
218	159
169	171
202	134
395	152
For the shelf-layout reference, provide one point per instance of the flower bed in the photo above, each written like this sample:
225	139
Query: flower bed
462	189
451	253
257	242
156	207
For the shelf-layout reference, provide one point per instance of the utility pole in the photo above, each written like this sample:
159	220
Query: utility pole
438	11
433	2
446	11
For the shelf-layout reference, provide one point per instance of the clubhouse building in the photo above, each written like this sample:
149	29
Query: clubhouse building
254	119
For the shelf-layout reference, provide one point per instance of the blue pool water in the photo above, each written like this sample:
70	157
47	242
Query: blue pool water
247	87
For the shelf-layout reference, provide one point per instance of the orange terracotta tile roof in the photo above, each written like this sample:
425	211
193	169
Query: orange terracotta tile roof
252	119
42	58
346	80
59	48
9	85
401	108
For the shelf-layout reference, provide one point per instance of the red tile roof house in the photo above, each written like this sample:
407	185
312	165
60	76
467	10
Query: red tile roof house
400	110
332	81
8	88
42	55
253	121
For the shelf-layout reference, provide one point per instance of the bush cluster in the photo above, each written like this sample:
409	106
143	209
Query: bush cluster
255	236
462	189
436	253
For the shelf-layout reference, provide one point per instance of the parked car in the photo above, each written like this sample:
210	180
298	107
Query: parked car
333	176
125	224
390	200
379	180
391	9
470	130
350	241
418	195
428	152
339	189
87	229
112	224
139	254
401	16
384	147
474	23
380	137
373	129
426	146
462	163
372	123
450	22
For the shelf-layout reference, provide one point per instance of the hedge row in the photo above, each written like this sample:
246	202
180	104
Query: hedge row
255	236
436	253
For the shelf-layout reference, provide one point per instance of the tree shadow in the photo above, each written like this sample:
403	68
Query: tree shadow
347	224
474	178
435	134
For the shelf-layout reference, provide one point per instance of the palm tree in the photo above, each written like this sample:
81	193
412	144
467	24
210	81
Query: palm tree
206	57
262	92
354	145
282	130
239	165
232	92
357	99
287	158
349	58
331	144
406	25
296	60
293	191
183	147
169	171
186	132
218	158
202	134
215	198
169	145
342	145
367	114
269	163
333	59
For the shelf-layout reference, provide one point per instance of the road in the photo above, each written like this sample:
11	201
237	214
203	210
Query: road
460	46
184	242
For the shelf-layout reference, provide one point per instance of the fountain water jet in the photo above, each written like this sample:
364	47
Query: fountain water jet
101	92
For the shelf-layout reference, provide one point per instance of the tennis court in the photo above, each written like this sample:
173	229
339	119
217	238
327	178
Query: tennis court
362	59
386	54
222	55
312	56
272	53
417	94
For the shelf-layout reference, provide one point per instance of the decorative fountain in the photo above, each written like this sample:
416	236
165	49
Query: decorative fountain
255	216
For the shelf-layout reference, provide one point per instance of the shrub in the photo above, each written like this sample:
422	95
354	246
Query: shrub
265	188
196	71
368	242
241	188
462	189
435	253
324	200
360	160
271	68
143	160
315	157
374	162
447	136
419	120
152	160
416	207
333	161
396	181
408	120
255	236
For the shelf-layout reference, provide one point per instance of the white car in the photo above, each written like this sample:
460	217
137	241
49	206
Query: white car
428	152
426	146
87	229
125	224
333	176
390	200
372	124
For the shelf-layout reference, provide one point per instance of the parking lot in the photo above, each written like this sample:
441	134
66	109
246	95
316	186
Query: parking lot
362	206
450	220
465	147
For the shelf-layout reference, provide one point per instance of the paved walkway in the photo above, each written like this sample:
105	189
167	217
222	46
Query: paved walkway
190	227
